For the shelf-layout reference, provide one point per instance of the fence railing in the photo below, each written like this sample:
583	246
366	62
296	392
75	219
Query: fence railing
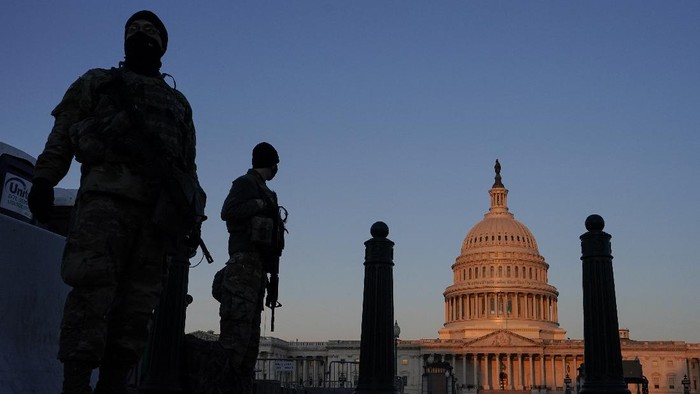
295	373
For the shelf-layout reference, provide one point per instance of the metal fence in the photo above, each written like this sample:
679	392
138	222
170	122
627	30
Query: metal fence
308	374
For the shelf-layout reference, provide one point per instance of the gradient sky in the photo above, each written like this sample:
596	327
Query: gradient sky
396	111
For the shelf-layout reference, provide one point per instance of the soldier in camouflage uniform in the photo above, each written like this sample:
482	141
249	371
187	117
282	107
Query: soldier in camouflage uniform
127	127
256	239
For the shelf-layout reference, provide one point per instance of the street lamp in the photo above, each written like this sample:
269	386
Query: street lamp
397	332
502	377
567	380
686	384
448	385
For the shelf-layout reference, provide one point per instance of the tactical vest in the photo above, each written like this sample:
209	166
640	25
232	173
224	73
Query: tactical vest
116	144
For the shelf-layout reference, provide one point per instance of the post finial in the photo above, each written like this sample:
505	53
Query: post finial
595	223
379	230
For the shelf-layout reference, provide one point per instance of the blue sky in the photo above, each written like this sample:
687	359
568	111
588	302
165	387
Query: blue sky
396	111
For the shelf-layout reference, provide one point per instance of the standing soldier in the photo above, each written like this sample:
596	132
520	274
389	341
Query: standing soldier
139	196
256	239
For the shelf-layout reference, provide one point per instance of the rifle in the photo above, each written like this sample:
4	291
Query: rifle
273	292
205	251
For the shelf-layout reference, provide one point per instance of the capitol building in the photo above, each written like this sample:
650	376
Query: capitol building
501	330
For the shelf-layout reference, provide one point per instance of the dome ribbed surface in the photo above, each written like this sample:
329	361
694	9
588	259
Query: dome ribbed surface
499	230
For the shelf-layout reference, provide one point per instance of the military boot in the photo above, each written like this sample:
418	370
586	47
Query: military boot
76	377
113	377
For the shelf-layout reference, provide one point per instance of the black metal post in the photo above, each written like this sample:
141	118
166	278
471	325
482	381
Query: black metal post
376	339
602	352
397	332
164	359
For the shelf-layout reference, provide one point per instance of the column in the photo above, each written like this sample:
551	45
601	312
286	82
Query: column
543	302
553	379
543	376
475	371
464	368
447	309
527	305
489	371
511	377
477	311
315	377
471	306
602	353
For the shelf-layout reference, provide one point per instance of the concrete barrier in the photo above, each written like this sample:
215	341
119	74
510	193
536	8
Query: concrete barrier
31	306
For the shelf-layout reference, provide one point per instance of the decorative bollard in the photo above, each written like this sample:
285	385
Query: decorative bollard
377	337
602	353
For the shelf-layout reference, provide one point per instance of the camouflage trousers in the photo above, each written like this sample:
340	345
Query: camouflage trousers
242	293
114	261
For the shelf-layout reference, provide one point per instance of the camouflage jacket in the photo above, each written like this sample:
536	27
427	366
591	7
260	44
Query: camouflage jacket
114	146
241	205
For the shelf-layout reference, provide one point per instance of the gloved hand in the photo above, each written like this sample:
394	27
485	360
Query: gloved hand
40	199
193	239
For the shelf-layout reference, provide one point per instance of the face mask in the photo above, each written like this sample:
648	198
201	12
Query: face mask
142	54
274	172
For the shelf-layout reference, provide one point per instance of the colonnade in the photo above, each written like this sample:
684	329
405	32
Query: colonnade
520	371
498	305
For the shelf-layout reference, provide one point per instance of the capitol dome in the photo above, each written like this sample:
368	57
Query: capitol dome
500	279
498	231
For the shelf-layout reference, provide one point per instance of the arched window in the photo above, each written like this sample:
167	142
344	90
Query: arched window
491	272
516	271
500	271
508	271
530	273
470	272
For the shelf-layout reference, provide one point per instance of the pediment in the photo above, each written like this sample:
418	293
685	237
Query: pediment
502	338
